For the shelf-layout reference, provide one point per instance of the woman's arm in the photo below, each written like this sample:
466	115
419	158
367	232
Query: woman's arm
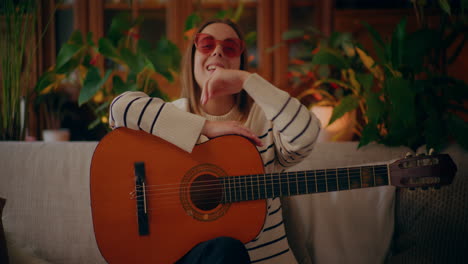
295	128
136	110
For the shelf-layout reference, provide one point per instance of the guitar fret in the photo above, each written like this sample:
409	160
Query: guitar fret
373	170
316	184
343	179
249	187
306	184
225	190
272	186
297	185
326	181
279	182
336	175
331	180
235	189
360	175
258	186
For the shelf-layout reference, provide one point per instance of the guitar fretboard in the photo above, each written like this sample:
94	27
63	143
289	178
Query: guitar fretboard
262	186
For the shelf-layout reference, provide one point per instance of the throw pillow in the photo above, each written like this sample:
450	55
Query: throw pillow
3	247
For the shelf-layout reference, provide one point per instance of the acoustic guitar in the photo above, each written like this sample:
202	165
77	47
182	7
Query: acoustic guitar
152	202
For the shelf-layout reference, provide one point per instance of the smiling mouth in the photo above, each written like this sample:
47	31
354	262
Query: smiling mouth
213	67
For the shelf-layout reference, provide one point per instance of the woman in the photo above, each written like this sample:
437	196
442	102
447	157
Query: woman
219	97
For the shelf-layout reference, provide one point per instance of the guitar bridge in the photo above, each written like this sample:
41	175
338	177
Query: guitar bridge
141	204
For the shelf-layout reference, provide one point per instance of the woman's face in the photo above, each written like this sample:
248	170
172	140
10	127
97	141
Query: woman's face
205	64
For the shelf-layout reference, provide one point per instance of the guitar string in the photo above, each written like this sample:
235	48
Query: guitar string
238	184
356	170
261	180
245	196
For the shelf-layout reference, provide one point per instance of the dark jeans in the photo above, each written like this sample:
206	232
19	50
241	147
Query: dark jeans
224	250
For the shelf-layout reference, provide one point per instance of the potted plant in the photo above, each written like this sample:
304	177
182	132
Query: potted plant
406	95
326	73
17	26
52	109
131	64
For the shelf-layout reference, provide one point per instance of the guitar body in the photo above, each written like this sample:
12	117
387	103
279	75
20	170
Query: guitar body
176	222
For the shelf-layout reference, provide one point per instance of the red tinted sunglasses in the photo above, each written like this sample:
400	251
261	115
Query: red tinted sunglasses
206	43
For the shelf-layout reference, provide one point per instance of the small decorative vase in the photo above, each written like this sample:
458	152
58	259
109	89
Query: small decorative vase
340	130
52	135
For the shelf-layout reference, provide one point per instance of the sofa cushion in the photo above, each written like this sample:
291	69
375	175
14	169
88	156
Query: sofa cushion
3	246
432	225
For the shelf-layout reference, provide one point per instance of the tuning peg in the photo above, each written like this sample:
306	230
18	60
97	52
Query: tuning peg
408	155
431	151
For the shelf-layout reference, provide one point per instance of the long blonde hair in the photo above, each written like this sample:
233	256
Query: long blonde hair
190	88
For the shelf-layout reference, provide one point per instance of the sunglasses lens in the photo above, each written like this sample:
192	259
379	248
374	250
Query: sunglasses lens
232	47
206	43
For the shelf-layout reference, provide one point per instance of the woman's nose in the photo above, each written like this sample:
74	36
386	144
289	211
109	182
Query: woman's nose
218	51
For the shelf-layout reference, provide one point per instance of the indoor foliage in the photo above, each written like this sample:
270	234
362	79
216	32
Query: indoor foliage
131	64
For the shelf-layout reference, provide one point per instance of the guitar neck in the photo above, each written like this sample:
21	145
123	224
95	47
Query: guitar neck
262	186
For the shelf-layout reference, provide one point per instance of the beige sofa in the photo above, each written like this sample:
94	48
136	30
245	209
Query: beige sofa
48	215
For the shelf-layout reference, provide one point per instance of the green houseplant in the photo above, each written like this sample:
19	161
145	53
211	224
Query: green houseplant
132	64
17	24
327	72
406	95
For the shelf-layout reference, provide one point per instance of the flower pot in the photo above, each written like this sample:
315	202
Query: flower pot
51	135
340	130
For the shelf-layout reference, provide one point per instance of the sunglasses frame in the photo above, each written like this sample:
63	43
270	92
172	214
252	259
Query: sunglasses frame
200	36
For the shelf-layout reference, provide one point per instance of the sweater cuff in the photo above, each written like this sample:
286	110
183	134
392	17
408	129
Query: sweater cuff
184	132
266	95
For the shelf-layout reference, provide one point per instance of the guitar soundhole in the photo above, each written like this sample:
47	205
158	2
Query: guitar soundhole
206	192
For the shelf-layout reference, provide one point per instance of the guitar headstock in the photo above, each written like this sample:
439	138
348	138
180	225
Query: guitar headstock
423	171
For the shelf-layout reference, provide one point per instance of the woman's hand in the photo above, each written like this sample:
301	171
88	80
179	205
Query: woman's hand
213	129
223	82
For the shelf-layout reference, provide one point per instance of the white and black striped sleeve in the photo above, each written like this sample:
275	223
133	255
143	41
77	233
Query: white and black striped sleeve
295	128
136	110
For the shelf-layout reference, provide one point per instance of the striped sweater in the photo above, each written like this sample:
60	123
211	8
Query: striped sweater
287	129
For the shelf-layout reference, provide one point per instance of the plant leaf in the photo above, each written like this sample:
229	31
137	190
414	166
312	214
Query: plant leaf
375	108
45	80
192	21
66	53
366	80
379	45
293	34
76	38
92	84
347	104
397	44
445	6
119	25
327	56
136	62
370	133
107	49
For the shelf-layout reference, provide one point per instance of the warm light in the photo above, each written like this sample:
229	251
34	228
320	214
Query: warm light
104	119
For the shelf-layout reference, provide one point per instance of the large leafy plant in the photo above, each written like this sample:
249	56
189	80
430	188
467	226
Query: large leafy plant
130	64
17	25
328	71
420	102
406	94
